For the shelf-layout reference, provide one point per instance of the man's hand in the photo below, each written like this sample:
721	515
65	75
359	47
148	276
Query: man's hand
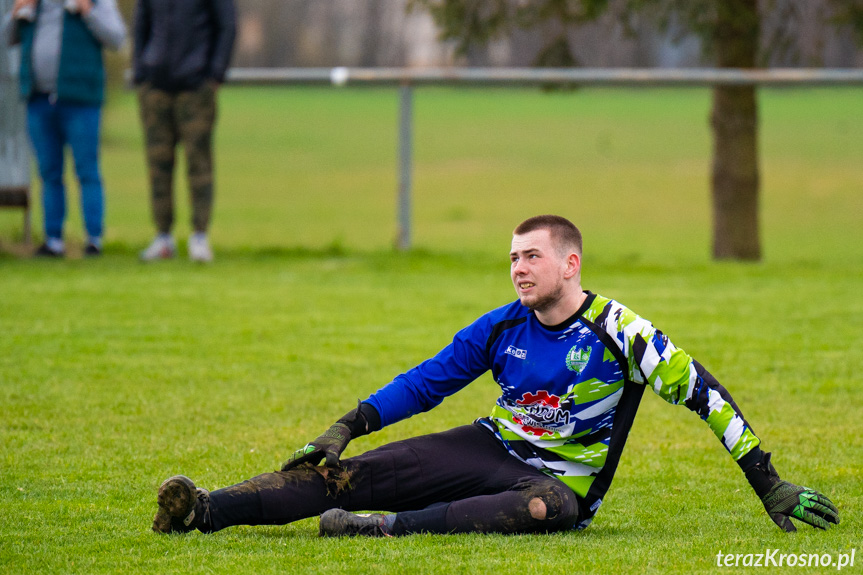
19	4
329	445
84	7
786	500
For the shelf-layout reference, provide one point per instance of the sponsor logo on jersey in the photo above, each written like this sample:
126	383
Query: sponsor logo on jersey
577	359
515	352
542	413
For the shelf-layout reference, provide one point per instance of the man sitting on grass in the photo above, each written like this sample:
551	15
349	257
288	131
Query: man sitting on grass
572	366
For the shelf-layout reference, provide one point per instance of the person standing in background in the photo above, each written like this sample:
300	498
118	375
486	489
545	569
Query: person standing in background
62	79
182	50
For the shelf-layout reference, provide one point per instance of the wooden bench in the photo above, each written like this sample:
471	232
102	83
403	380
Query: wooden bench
14	148
18	197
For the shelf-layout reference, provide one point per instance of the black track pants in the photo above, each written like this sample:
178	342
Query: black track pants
461	480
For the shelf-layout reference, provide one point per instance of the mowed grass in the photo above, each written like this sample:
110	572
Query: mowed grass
115	375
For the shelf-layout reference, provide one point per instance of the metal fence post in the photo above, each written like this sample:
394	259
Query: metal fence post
14	150
403	239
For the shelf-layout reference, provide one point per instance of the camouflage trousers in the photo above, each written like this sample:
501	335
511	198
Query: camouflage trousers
170	119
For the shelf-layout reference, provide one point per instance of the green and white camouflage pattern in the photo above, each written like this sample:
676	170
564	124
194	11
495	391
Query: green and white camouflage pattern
672	375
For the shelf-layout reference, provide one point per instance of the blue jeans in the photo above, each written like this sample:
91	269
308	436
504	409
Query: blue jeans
52	126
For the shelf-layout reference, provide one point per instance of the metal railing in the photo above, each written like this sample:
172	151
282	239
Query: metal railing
407	78
631	77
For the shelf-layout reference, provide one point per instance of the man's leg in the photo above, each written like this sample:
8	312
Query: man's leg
81	125
195	116
465	481
531	505
470	480
47	140
157	117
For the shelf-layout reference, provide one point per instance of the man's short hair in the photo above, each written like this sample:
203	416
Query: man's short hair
563	232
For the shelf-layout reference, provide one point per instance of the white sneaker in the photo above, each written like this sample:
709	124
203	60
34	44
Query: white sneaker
199	249
162	248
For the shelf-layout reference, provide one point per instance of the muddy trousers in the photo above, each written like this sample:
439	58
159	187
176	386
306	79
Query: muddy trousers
461	480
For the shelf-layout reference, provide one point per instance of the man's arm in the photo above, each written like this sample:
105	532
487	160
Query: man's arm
782	499
226	29
103	19
425	386
140	36
10	33
420	389
677	378
9	30
674	376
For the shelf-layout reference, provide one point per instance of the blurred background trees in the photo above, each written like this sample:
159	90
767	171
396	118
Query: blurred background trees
305	33
726	33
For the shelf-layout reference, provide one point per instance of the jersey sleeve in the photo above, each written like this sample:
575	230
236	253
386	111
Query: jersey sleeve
678	379
106	23
429	383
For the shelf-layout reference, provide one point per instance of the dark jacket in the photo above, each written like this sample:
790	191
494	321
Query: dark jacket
180	44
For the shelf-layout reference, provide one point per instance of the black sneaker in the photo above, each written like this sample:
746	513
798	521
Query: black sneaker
92	251
338	522
45	252
182	506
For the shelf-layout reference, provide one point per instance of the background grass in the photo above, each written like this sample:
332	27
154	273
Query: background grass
115	375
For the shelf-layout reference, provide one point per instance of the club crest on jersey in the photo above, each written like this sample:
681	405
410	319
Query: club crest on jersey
577	358
516	353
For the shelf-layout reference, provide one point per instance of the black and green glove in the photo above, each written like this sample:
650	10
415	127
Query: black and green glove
784	500
330	445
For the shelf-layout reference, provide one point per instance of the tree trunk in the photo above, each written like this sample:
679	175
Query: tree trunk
734	118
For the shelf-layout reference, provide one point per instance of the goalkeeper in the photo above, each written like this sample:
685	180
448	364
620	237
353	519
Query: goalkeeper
572	366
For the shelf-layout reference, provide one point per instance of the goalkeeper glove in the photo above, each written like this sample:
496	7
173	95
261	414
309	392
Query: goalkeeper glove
784	500
330	445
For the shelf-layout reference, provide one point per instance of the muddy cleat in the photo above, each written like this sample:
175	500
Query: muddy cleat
338	523
182	506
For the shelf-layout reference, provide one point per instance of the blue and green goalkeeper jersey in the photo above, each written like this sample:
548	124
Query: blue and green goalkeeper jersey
569	393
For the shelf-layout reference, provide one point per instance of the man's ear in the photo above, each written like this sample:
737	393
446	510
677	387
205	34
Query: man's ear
573	266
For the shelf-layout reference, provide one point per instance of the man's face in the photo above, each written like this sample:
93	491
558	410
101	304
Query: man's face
537	270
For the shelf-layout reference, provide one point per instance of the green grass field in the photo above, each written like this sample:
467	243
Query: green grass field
115	375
